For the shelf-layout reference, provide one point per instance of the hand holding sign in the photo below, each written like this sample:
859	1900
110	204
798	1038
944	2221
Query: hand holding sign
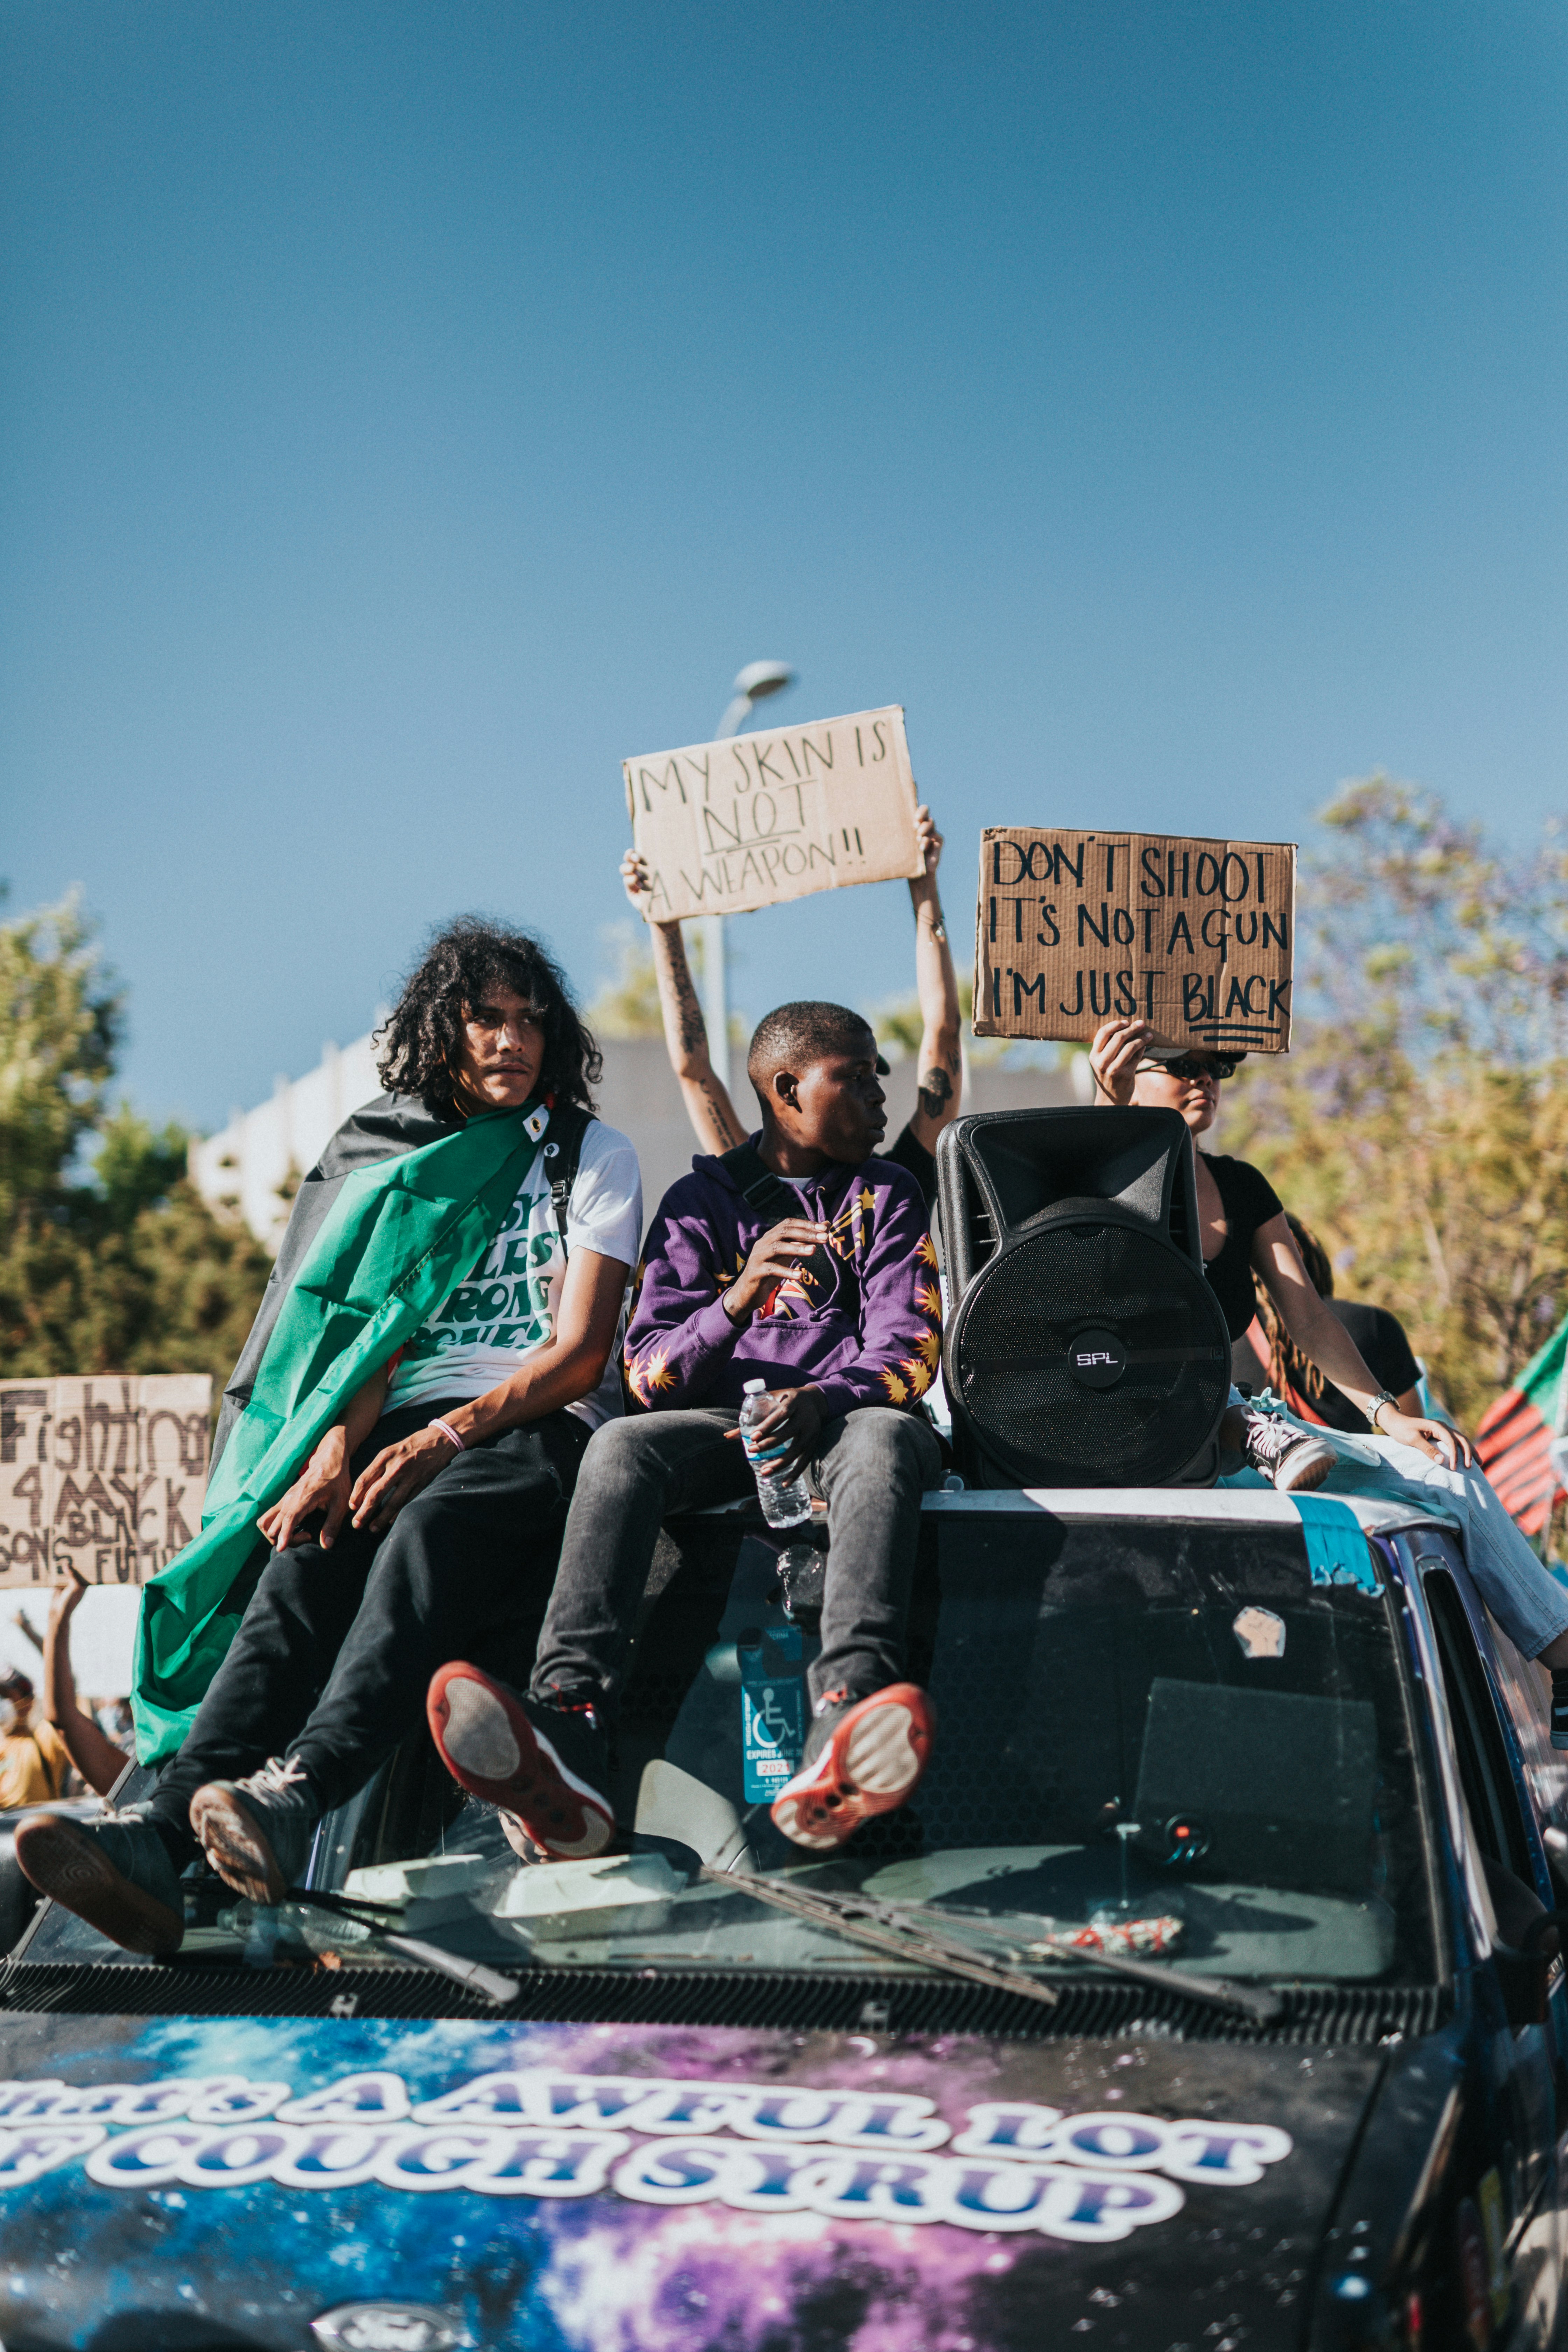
756	820
1193	936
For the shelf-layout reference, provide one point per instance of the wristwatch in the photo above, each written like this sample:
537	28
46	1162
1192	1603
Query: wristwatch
1384	1396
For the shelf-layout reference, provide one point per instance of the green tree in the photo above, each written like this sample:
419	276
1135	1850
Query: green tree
112	1261
1420	1122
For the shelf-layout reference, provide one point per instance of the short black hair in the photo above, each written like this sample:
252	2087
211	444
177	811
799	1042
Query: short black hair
421	1039
802	1032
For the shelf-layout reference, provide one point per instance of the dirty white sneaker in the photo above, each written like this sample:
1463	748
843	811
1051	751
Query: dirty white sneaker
257	1832
1292	1462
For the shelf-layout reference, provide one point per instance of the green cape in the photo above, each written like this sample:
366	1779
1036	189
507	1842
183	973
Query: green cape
398	1238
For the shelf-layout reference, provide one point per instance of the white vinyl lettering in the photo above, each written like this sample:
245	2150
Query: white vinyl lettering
1090	2177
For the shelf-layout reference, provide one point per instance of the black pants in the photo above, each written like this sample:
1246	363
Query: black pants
872	1466
335	1652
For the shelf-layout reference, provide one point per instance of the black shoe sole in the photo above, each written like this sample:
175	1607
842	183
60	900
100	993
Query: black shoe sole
73	1870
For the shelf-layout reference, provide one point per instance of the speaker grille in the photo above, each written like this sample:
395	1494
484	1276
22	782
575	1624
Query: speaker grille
1023	1309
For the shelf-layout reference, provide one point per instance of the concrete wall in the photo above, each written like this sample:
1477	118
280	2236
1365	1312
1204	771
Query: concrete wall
255	1153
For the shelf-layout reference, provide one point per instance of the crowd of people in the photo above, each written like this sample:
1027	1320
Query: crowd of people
476	1392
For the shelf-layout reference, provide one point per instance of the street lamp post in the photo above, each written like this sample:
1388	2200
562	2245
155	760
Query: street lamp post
753	684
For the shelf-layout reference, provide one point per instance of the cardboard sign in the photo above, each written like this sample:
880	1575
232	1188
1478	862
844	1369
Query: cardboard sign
759	819
105	1475
1074	928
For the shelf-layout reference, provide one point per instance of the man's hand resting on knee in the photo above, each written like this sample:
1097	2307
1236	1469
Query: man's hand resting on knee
321	1488
398	1472
793	1417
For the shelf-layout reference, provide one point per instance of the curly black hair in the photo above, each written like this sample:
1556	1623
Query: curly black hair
422	1037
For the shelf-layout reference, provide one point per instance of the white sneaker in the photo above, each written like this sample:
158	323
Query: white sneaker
1292	1462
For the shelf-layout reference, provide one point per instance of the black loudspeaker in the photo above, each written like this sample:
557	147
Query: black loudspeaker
1084	1346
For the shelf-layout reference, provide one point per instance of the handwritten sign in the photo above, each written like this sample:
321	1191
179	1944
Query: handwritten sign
105	1475
1196	936
759	819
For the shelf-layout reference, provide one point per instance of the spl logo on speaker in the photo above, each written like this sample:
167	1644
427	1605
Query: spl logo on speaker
1098	1359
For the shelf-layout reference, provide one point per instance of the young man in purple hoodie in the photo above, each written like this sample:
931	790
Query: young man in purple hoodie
838	1309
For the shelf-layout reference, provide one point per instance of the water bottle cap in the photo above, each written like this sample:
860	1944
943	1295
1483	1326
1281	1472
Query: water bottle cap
756	1388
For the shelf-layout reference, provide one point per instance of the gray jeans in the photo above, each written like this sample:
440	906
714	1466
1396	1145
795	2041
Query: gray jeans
871	1467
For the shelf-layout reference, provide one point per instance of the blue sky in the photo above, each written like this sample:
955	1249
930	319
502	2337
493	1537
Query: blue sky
406	412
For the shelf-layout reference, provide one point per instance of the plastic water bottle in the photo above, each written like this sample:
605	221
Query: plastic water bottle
785	1501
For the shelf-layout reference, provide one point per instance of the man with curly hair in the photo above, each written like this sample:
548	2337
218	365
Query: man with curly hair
412	1423
834	1305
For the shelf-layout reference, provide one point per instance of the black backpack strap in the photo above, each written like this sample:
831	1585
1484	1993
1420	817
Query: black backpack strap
762	1190
562	1157
756	1183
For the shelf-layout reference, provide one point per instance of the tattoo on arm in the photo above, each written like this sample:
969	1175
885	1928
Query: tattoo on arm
729	1127
693	1030
935	1090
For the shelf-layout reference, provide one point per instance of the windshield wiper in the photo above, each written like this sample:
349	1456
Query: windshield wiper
908	1931
489	1983
921	1931
1220	1992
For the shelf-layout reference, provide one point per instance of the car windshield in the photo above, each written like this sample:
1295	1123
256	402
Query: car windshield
1157	1739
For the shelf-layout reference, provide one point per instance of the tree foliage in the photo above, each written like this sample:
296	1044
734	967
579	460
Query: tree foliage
1420	1122
112	1261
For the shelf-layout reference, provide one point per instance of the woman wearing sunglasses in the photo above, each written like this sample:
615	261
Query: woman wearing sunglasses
1245	1232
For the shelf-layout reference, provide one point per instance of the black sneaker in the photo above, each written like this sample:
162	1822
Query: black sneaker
546	1765
1292	1462
257	1832
863	1757
116	1874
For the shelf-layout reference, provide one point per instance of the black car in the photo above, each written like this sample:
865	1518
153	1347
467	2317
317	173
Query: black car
1205	1997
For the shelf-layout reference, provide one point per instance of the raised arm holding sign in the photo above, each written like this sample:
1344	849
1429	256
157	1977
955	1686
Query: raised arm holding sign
717	1124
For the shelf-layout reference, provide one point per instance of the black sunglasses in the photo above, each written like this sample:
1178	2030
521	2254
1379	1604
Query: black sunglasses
1188	1065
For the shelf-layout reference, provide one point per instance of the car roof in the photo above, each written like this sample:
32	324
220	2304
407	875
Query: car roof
1240	1506
1237	1507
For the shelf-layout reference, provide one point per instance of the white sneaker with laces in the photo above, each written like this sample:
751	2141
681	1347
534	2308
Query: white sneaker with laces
257	1832
1292	1462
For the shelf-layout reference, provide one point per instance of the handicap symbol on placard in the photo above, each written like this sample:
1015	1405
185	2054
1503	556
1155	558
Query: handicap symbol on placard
773	1723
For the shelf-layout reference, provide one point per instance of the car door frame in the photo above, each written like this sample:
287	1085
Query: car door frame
1537	2234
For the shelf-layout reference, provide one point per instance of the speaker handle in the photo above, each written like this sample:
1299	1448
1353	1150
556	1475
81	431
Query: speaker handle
956	1169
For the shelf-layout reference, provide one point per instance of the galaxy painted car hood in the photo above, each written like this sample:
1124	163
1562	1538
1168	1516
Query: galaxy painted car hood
615	2188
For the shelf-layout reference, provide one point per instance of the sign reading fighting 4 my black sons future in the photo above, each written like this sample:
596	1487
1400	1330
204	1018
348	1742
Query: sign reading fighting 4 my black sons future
1196	936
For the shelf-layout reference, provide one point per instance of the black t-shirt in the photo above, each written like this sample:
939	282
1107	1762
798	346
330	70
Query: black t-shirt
1249	1200
908	1153
1384	1350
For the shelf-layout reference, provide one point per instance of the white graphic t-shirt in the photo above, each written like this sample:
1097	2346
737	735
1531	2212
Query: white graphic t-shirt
506	1306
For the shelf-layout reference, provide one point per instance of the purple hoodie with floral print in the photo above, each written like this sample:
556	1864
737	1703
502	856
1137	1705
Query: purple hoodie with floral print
866	1329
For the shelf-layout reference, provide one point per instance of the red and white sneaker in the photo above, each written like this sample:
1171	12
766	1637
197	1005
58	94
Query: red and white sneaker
544	1765
863	1757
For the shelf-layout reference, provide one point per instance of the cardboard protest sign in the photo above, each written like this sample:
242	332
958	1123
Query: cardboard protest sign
759	819
105	1475
1075	928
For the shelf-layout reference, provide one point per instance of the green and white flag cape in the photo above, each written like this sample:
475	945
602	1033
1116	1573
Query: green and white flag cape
399	1236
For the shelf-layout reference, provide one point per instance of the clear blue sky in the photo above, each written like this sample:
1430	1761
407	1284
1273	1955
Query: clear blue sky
407	411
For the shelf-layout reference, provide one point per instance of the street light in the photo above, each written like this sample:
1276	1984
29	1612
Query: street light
753	685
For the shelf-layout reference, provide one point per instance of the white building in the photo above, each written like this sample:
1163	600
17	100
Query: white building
258	1151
